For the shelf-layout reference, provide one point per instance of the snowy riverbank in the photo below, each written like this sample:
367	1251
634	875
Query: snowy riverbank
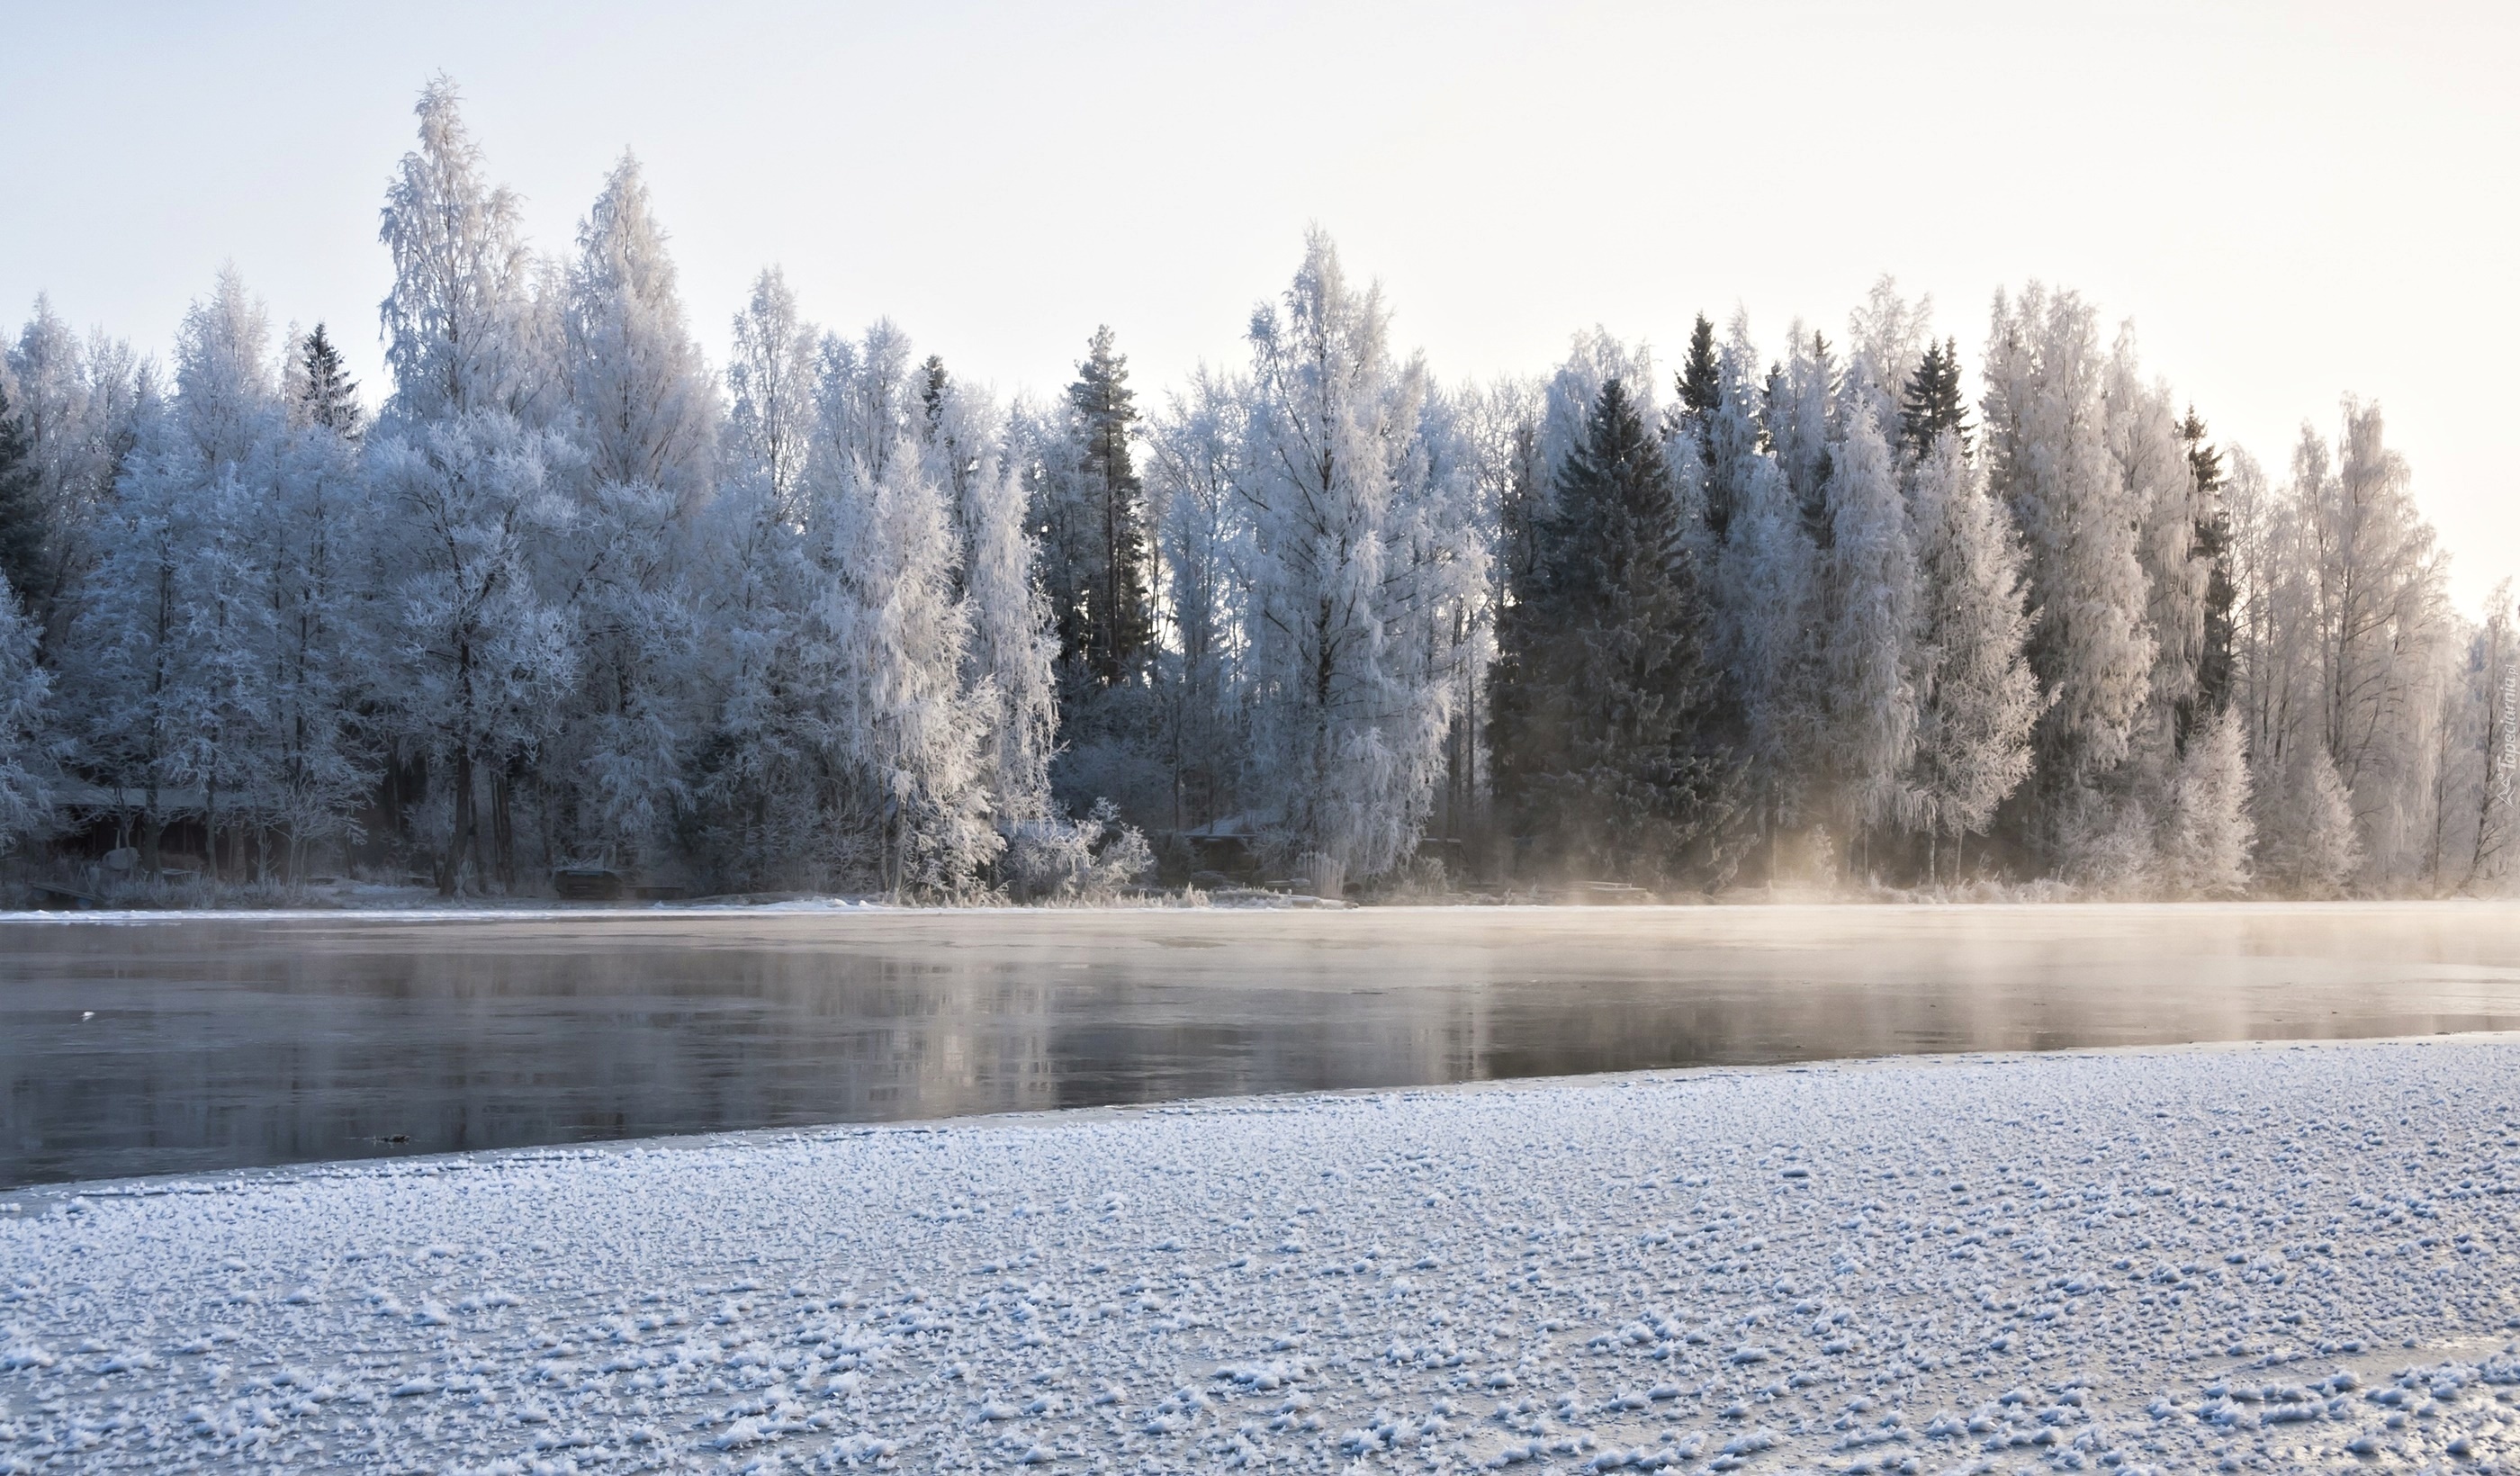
2283	1257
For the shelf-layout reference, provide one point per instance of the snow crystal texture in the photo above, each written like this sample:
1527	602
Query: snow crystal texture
2260	1258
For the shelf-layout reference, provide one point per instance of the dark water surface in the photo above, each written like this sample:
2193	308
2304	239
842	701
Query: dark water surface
226	1042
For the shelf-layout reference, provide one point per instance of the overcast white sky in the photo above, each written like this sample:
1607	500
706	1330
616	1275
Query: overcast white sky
2292	200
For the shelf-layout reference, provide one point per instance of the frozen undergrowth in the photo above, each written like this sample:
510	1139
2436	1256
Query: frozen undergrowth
2258	1258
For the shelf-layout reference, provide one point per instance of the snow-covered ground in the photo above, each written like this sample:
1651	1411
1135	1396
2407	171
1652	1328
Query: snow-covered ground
2265	1258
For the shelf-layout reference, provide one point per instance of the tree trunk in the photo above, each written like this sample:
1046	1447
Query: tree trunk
458	841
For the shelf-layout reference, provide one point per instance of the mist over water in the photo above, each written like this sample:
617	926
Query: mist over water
221	1043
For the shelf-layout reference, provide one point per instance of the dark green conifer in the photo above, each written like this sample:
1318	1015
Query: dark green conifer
329	396
931	397
24	530
1700	387
1104	617
1601	689
2213	542
1933	404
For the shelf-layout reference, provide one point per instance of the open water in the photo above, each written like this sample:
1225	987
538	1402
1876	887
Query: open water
201	1041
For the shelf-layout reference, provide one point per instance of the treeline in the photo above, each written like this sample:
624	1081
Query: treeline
833	617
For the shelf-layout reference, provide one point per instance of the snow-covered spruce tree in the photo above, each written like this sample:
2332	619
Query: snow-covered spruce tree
2047	459
1977	699
1196	462
1698	388
1358	557
911	812
322	391
1601	680
1572	398
25	765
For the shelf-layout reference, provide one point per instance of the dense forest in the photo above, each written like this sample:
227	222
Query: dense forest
832	617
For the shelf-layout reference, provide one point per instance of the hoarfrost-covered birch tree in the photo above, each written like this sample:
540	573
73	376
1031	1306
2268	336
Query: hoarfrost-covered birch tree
905	730
1355	560
2045	426
1869	656
1978	702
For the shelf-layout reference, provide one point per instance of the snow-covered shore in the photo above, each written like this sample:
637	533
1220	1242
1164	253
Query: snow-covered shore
2274	1258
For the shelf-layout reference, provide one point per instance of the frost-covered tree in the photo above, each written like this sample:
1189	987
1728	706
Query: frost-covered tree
25	524
1358	556
81	405
321	390
645	407
643	411
1197	464
2493	705
758	783
2381	620
459	323
2044	422
2158	486
2306	841
168	656
26	767
2206	833
770	427
480	652
1977	698
1014	651
1767	603
913	806
1868	658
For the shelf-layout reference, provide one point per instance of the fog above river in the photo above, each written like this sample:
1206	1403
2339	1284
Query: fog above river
199	1042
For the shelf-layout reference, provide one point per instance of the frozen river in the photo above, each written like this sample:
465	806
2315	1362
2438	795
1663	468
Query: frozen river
198	1043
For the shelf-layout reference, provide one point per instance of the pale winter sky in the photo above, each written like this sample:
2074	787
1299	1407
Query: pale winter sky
2292	200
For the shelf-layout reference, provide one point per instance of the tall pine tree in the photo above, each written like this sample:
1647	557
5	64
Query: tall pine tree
1601	684
1103	618
2214	544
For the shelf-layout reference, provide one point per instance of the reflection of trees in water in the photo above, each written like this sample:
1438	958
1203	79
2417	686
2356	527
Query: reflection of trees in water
226	1043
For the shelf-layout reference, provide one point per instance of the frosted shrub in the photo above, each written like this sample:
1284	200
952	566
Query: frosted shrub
1089	860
